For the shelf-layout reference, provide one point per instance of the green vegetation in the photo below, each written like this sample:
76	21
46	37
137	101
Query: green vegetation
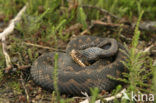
135	61
1	75
15	86
45	23
154	80
137	66
94	93
55	77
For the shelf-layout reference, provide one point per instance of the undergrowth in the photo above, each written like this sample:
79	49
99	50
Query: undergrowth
45	20
139	71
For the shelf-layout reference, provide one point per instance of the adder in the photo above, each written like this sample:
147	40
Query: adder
73	78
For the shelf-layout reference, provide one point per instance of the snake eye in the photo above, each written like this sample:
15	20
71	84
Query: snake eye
107	46
91	61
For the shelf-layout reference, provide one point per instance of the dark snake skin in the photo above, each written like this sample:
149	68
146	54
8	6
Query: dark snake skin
74	79
96	50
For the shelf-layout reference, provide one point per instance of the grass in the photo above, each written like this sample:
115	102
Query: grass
55	77
154	79
15	87
82	17
94	93
45	20
135	64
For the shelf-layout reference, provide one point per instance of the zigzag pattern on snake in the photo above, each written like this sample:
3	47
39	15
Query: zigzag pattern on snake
74	79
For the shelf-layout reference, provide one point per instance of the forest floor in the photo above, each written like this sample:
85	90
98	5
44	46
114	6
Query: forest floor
48	26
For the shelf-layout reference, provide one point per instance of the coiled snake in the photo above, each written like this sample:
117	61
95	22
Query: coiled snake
74	79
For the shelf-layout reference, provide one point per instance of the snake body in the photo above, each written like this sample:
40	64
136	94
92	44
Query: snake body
74	79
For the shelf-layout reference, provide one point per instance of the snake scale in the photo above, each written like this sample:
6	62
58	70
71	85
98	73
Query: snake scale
74	79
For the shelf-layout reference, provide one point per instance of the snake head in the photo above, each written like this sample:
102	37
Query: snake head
91	53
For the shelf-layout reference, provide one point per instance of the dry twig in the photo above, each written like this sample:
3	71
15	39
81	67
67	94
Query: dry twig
119	95
23	67
7	57
12	23
108	99
23	84
8	31
44	47
99	22
147	49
